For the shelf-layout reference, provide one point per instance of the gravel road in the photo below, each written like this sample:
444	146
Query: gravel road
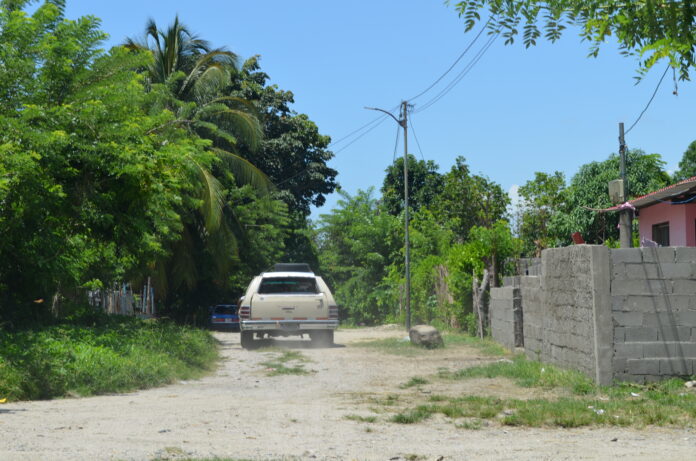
240	412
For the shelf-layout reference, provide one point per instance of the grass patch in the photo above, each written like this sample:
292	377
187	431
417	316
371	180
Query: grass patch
103	355
667	403
287	363
527	373
403	347
415	381
361	419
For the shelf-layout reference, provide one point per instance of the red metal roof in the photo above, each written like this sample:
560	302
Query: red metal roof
680	188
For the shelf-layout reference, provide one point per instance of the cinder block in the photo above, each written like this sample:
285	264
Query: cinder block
629	350
641	334
659	254
643	366
662	319
628	319
686	255
620	335
674	271
675	367
619	365
674	334
686	318
641	271
640	287
660	349
684	287
626	255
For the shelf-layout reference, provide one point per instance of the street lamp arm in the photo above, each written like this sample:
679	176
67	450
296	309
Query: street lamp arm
400	122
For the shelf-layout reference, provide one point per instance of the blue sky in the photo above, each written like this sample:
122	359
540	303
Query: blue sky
516	112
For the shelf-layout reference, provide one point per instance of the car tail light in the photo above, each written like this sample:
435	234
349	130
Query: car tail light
245	312
333	312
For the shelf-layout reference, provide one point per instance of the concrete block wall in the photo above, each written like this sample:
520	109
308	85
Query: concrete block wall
653	295
501	308
532	315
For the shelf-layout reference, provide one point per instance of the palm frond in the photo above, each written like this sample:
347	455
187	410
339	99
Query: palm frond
245	172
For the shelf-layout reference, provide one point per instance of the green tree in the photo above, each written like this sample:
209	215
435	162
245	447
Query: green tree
357	242
469	200
649	29
90	193
541	199
687	165
424	184
589	190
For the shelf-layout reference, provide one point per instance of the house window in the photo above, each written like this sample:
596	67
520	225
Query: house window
660	234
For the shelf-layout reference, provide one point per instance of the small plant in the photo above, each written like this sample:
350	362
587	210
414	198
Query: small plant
278	365
415	381
412	416
361	419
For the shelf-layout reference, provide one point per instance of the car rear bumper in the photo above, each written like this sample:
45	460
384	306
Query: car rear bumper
288	325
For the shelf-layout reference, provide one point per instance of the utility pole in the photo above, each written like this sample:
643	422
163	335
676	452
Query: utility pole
403	122
407	243
625	225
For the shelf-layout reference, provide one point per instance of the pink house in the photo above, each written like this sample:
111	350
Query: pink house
668	216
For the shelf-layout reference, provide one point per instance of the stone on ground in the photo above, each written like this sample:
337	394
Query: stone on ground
426	336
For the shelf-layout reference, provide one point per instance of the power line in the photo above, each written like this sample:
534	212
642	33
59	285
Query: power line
381	120
461	74
410	122
396	143
651	99
466	50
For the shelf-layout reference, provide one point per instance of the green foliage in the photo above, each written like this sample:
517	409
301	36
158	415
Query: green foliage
687	165
589	189
356	243
541	199
469	200
99	355
651	30
424	184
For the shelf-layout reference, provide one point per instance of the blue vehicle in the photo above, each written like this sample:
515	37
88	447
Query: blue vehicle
224	317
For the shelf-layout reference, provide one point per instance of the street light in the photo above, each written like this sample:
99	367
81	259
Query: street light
403	123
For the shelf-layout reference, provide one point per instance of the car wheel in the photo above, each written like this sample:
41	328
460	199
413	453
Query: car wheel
322	338
247	339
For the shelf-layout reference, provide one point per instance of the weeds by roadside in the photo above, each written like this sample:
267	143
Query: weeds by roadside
110	354
287	363
663	404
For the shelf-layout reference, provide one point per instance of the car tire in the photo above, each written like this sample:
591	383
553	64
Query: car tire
247	339
323	338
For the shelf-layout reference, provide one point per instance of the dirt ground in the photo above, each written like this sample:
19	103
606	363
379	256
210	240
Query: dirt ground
240	412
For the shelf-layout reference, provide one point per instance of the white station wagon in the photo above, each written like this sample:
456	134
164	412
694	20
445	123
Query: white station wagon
290	300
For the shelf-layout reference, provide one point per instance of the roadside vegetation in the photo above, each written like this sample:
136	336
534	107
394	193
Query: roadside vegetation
97	354
285	362
566	399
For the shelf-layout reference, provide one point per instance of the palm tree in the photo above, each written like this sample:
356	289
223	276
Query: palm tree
191	78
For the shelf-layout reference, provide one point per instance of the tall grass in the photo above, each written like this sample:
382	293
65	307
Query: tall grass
100	355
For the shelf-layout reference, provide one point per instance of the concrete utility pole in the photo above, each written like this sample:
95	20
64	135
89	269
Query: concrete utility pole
403	122
625	215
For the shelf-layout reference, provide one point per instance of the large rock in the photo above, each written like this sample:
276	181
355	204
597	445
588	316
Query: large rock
425	336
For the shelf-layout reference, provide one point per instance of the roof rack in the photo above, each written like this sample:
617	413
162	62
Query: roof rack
291	267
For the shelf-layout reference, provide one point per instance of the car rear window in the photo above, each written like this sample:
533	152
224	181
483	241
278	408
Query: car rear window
277	285
225	310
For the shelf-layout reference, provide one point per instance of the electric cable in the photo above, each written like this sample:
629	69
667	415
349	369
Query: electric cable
410	122
650	101
461	75
466	50
396	143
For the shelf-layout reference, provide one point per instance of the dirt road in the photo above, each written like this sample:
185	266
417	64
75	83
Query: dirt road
241	412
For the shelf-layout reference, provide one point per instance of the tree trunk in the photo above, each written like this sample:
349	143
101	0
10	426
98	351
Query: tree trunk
478	294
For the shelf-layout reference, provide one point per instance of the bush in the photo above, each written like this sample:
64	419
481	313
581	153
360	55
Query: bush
99	354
